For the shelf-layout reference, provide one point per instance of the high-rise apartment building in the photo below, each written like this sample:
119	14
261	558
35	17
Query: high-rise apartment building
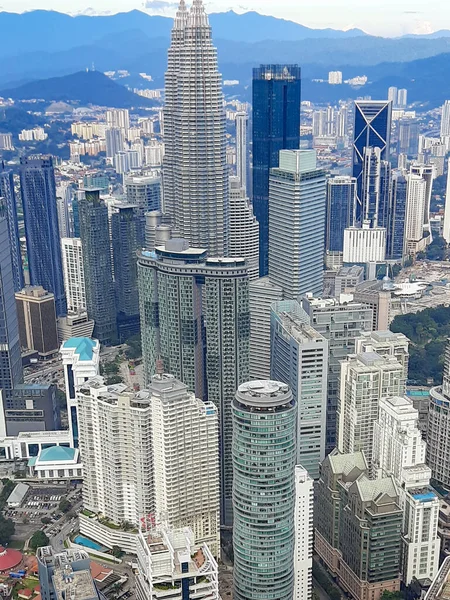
445	119
299	357
304	534
264	423
276	126
399	450
416	190
10	209
365	379
36	315
97	265
358	526
169	559
408	137
297	202
386	344
341	321
185	482
446	225
144	191
81	361
115	141
195	173
63	200
395	242
402	98
127	233
372	129
428	173
195	319
10	356
118	117
244	229
392	95
438	434
262	293
242	155
335	77
66	574
73	270
341	202
37	181
114	427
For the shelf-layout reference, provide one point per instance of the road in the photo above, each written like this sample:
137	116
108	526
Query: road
57	541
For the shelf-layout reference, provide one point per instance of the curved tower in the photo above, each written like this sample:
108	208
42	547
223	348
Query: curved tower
264	450
195	174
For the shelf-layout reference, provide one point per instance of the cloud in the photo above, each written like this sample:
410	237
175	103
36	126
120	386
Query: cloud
412	12
423	27
161	6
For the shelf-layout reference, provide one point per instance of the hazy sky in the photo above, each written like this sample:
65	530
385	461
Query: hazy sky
383	17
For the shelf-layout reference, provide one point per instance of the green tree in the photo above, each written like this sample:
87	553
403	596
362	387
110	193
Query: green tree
38	539
46	520
117	551
7	529
114	379
64	505
386	595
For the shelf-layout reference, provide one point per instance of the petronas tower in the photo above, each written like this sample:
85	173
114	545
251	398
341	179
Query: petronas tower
195	174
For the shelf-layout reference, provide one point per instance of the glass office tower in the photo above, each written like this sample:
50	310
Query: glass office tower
276	126
37	181
372	129
341	194
7	192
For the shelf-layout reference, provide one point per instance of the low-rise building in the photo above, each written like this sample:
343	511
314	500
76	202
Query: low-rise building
56	462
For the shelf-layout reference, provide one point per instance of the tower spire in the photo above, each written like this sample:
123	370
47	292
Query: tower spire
197	15
181	16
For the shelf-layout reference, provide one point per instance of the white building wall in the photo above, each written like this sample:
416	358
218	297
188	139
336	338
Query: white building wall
415	206
304	534
73	271
364	245
244	229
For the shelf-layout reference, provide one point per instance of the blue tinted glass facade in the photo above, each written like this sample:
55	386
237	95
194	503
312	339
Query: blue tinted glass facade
75	218
37	181
276	126
10	356
341	193
7	192
372	129
396	224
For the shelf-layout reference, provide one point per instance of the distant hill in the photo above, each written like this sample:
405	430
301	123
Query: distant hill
86	87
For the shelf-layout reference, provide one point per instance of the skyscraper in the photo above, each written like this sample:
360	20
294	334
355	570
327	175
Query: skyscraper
242	165
408	137
438	435
264	450
397	213
376	177
304	534
428	174
445	119
98	278
72	257
297	202
37	320
299	357
10	206
372	129
115	141
37	181
127	233
446	225
416	191
244	228
144	191
276	126
195	173
195	319
10	356
341	199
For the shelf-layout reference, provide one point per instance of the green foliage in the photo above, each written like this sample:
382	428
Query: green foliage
134	349
46	520
38	539
391	595
110	368
324	580
8	486
428	331
14	119
64	505
114	379
117	551
7	529
437	250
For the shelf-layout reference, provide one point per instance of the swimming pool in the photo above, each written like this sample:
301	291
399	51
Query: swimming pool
87	543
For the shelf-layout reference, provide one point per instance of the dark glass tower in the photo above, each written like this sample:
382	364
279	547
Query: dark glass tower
10	357
397	212
98	279
7	192
341	194
276	126
37	181
126	227
372	129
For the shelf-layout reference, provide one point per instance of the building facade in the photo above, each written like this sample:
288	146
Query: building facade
242	156
341	202
297	201
299	357
276	126
10	209
37	182
73	270
244	229
264	423
37	321
304	534
195	189
438	435
97	265
195	321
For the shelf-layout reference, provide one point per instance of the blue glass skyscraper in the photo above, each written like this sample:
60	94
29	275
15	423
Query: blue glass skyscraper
37	181
341	195
7	192
10	357
397	215
372	129
276	126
